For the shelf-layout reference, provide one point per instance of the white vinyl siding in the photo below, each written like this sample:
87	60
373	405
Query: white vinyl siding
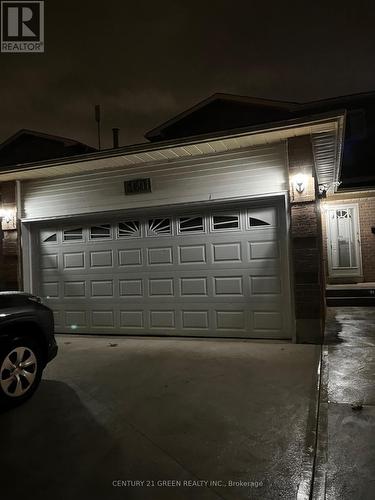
229	175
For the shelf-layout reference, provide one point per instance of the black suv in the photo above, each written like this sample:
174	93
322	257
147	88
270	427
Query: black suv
27	344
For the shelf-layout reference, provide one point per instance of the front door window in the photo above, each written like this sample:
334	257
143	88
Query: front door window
343	241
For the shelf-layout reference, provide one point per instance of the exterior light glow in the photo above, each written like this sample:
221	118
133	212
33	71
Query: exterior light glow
7	215
299	182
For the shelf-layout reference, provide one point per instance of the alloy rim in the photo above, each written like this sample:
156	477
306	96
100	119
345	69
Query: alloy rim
18	372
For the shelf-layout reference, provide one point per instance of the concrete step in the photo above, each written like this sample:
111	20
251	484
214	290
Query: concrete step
360	296
350	301
350	292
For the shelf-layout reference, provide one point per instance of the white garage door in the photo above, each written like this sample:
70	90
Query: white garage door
209	273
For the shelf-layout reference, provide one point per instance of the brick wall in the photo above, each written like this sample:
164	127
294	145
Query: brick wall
306	244
366	208
8	240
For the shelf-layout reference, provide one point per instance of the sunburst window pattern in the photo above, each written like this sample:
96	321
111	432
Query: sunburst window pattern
129	228
159	226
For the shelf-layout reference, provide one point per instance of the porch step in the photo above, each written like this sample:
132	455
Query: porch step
353	296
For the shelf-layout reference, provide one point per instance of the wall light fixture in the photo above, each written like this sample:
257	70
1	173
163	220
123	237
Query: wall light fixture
299	182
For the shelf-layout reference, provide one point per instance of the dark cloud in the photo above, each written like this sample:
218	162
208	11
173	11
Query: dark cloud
146	61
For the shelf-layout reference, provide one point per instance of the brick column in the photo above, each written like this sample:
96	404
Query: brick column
306	244
8	238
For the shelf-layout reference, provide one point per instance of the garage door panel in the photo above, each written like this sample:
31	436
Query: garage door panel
226	252
102	318
195	320
263	250
267	320
74	289
49	261
102	288
158	287
224	278
263	284
51	289
192	254
131	288
73	260
228	285
130	257
231	320
101	258
162	318
158	256
193	286
76	319
132	319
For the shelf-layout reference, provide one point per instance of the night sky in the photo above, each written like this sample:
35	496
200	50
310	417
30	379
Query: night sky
147	61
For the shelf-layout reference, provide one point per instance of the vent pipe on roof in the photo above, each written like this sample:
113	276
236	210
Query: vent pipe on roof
115	132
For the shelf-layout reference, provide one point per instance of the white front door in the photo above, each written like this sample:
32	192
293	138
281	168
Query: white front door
344	254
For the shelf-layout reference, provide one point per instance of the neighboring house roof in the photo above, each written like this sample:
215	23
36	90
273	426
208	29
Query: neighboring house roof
220	112
27	146
227	112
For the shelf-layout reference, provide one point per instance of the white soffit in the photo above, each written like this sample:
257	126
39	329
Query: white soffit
324	132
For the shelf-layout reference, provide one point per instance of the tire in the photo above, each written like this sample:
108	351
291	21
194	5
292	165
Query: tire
21	368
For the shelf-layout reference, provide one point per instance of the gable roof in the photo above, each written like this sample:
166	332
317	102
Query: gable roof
157	132
24	131
31	145
226	113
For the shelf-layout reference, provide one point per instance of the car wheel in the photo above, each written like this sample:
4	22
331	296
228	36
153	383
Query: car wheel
21	367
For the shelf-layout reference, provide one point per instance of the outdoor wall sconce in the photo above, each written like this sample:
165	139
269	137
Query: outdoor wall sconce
7	219
6	215
299	183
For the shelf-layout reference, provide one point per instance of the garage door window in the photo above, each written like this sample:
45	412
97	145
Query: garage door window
100	232
50	238
74	234
158	227
261	217
253	221
129	229
225	222
191	225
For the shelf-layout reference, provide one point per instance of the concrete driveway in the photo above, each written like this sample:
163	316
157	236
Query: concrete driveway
200	419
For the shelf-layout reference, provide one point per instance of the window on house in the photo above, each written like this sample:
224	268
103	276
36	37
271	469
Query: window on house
73	234
129	228
159	226
190	224
225	222
100	232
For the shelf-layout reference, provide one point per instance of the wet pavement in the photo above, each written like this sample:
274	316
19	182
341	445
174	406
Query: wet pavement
172	412
346	446
183	411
